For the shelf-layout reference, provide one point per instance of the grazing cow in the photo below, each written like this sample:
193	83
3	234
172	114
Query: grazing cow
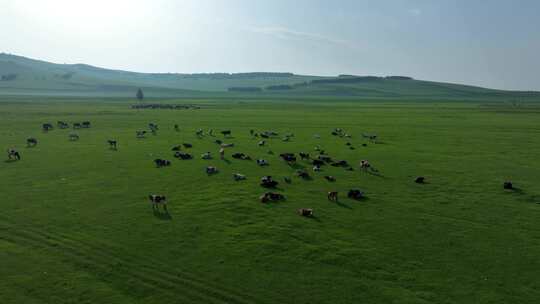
73	137
77	125
218	141
307	212
113	144
86	124
211	170
271	197
333	196
47	127
261	143
160	163
371	137
177	148
303	155
268	182
239	177
508	185
365	165
241	156
183	155
303	174
31	142
156	200
288	157
226	133
355	194
140	133
262	162
420	180
223	145
176	128
206	155
316	168
330	178
187	145
264	135
13	154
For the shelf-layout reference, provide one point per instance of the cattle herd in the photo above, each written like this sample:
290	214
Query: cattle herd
317	159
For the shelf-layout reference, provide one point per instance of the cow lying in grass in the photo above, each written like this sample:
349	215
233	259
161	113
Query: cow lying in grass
271	197
355	194
268	182
160	163
241	156
307	212
31	142
156	200
211	170
262	162
73	137
239	177
183	155
206	155
113	144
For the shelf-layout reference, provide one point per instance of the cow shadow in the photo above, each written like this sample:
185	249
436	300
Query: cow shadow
164	216
11	161
227	161
343	205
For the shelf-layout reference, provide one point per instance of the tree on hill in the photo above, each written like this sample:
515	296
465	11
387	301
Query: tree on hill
140	95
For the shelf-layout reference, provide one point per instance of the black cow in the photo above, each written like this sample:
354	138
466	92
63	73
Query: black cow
113	144
211	170
508	185
187	145
303	174
420	180
47	127
86	124
183	155
288	157
355	194
226	133
162	162
77	125
340	163
268	182
303	155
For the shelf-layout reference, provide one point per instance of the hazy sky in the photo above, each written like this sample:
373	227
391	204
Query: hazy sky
489	43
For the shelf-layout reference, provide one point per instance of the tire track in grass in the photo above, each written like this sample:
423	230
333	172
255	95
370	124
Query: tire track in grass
147	275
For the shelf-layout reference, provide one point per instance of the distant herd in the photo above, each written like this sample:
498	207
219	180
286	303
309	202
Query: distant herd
268	182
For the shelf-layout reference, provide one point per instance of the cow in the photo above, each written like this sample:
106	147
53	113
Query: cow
113	144
86	124
324	158
183	155
160	163
211	170
176	128
47	127
62	124
365	165
140	133
271	197
316	168
13	154
153	128
199	133
218	141
371	137
262	162
176	148
508	185
303	155
242	156
307	212
187	145
355	194
226	133
238	177
303	174
73	137
261	143
288	157
31	142
206	155
317	162
330	178
77	125
156	200
420	180
268	182
333	196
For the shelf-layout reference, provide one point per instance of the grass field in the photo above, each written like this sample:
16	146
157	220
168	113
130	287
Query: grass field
76	226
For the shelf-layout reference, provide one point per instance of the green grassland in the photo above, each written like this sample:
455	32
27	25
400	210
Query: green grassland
76	226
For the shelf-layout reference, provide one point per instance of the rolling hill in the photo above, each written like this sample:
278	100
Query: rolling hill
25	76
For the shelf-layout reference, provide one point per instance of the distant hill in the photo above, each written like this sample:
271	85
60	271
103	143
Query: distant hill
21	75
